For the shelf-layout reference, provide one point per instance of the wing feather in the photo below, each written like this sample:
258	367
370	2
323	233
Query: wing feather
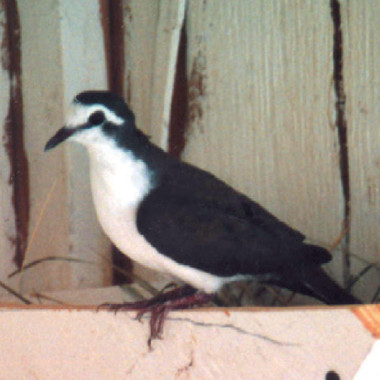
217	229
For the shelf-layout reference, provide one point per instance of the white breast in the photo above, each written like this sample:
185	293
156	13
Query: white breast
119	182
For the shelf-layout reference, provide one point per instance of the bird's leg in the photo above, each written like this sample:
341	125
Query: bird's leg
196	299
160	312
157	317
180	298
145	305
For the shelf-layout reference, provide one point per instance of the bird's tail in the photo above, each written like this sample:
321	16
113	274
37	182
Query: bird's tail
326	289
314	281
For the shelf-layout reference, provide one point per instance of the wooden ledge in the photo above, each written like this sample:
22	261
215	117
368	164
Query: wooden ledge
252	343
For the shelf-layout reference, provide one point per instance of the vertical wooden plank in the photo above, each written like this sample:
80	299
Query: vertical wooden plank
151	46
260	106
169	24
140	18
42	102
360	25
62	54
7	212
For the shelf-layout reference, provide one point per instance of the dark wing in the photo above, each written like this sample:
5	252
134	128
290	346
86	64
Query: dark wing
198	220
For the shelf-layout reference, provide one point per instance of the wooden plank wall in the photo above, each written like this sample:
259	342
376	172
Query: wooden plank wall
360	27
278	98
8	228
61	53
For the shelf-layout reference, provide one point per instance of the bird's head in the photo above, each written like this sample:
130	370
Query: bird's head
95	117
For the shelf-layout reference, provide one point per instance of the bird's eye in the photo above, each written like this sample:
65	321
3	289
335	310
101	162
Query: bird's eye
96	118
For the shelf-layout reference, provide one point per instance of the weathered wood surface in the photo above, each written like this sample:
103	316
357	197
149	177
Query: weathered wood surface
360	25
63	53
261	115
152	32
7	212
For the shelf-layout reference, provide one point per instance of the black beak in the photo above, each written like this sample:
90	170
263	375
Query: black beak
62	134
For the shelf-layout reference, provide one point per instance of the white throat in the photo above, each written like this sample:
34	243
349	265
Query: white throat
118	179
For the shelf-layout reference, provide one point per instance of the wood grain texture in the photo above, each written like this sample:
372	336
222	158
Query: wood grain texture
62	54
42	101
360	25
140	17
7	212
169	24
260	99
151	44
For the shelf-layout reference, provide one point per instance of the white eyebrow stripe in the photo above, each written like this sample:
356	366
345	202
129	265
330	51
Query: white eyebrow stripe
79	114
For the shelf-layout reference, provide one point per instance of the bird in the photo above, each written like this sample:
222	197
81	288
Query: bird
175	218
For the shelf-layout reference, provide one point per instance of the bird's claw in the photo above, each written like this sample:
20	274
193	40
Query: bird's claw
159	307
